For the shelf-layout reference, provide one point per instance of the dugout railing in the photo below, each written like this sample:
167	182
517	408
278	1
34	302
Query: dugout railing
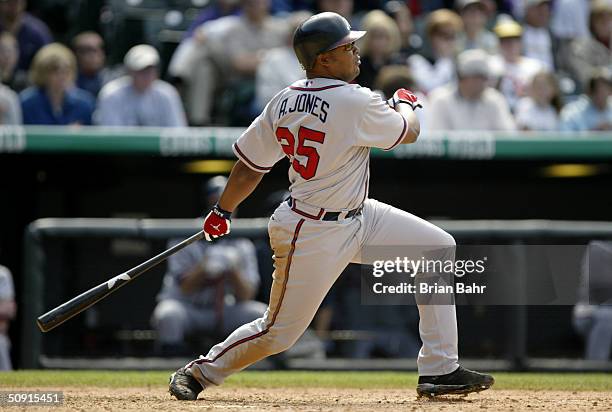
512	231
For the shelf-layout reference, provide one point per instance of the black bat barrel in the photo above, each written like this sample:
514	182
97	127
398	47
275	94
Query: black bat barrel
74	306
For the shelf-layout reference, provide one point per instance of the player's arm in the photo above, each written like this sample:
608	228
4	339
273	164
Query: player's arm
242	182
192	280
405	103
257	150
414	127
243	290
7	309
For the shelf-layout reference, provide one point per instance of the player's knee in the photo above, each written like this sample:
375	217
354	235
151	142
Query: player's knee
448	240
5	342
169	312
279	341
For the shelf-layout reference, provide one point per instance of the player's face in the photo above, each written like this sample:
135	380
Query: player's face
343	62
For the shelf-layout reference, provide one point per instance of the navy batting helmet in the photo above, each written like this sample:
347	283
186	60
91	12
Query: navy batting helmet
320	33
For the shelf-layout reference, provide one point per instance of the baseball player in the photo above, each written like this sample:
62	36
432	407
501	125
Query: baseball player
326	127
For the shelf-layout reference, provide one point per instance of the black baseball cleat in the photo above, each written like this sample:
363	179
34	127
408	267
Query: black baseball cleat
460	382
183	386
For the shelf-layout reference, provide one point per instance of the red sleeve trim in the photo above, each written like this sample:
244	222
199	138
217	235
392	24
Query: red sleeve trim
241	156
399	140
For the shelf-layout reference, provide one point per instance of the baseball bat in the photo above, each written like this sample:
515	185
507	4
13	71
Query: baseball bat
74	306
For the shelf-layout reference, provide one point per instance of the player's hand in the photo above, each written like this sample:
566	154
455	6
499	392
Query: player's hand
217	223
405	96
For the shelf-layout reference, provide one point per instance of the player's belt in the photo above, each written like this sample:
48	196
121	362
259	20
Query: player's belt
322	214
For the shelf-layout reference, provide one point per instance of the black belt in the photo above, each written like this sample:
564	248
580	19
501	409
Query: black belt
333	216
327	216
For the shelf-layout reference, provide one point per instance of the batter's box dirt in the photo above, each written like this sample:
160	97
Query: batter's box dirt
324	399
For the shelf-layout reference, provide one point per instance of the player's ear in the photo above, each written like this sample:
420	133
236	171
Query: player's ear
324	59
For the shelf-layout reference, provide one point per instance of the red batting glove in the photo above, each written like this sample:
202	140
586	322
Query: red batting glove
405	96
217	223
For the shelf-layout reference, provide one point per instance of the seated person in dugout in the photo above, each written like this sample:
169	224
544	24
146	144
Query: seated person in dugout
592	315
208	288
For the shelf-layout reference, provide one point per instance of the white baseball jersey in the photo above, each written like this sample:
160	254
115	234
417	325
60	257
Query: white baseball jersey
325	127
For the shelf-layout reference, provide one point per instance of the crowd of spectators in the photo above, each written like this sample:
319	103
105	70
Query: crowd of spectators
477	64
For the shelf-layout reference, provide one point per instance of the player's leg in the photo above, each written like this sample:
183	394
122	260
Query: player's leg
174	319
5	356
240	313
170	321
599	336
385	225
308	258
392	227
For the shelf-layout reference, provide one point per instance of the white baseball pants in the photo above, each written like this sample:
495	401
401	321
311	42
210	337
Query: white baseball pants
309	255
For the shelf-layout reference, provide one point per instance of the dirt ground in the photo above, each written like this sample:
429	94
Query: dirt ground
322	399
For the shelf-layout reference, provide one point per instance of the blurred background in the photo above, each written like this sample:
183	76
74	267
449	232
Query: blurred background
118	117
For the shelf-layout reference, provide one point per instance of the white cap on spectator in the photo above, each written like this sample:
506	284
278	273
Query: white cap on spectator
140	57
473	62
461	4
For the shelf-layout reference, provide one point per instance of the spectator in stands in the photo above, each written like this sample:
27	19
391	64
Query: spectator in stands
379	48
9	54
213	11
30	32
537	38
570	21
470	104
53	99
140	98
91	59
221	8
593	110
344	8
411	41
511	70
280	67
587	53
10	108
539	110
7	312
225	57
592	316
436	67
208	287
475	34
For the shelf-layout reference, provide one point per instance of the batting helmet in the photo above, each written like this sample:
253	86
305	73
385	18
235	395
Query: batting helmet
320	33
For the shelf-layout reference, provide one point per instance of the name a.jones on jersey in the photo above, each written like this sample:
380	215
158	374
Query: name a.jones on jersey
306	103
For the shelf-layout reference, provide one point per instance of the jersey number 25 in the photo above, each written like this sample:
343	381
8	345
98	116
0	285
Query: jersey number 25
287	142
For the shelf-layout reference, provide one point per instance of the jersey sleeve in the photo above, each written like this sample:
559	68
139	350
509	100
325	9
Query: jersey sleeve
257	147
379	125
